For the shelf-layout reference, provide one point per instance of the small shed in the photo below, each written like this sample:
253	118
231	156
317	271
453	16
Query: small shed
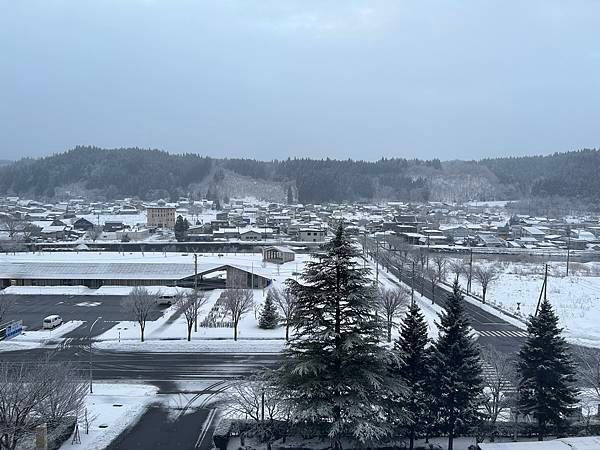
278	254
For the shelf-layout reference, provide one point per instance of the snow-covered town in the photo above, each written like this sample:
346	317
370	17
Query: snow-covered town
299	225
85	262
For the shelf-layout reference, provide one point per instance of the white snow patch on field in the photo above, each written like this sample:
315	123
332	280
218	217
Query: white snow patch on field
576	298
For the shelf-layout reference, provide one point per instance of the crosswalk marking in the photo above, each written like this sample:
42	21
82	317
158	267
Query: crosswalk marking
502	333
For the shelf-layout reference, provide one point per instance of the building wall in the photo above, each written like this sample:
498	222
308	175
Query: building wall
94	284
163	217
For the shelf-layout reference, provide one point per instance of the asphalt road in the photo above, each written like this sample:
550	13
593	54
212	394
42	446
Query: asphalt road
154	367
158	429
493	331
32	309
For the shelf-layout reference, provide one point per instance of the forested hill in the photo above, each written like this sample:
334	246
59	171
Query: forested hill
571	174
152	174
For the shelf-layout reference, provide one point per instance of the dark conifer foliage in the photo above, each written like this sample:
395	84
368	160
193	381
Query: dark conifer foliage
334	370
547	371
413	361
269	317
456	369
181	227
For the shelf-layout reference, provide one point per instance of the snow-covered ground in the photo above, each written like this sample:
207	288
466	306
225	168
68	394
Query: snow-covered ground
111	409
33	339
576	298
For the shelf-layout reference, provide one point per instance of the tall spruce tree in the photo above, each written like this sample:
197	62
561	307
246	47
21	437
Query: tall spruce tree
412	365
334	371
269	317
546	370
456	368
181	228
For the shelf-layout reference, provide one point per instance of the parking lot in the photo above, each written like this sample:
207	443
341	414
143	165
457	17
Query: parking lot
32	309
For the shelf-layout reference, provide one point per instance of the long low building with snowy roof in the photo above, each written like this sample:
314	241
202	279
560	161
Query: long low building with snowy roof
97	274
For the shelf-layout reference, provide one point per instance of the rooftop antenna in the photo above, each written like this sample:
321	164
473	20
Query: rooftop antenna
544	290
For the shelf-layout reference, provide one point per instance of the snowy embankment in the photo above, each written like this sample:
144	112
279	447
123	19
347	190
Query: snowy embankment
111	409
196	346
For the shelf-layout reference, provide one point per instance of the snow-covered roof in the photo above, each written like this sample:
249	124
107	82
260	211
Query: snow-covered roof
110	271
570	443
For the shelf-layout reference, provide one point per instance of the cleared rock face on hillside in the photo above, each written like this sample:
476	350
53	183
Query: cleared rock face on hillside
234	185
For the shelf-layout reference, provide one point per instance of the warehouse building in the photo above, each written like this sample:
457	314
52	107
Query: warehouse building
96	274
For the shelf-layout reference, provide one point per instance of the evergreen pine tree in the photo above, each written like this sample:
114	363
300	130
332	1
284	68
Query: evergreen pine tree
269	317
412	365
547	371
334	372
290	195
456	368
181	227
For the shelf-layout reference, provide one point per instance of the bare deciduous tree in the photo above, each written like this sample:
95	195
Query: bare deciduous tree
246	398
286	302
440	265
391	303
94	233
257	398
189	304
588	369
139	305
237	302
7	302
11	224
457	268
499	383
35	393
485	275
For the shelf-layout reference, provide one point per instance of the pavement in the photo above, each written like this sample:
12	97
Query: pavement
159	429
32	309
154	368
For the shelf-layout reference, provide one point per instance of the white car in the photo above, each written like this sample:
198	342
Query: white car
53	321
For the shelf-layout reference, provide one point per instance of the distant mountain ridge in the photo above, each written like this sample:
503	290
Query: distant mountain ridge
152	174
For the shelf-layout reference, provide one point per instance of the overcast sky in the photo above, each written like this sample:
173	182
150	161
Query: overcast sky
275	78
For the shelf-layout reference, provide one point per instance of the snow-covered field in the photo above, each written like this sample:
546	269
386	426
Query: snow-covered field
576	298
111	409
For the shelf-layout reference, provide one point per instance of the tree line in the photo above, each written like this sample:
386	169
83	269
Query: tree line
152	174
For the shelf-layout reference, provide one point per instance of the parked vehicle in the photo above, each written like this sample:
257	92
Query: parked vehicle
165	300
53	321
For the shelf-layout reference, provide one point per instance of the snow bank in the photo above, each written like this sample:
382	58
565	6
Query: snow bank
196	346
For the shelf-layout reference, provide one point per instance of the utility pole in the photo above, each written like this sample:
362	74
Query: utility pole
543	291
412	284
195	271
470	271
91	361
376	262
568	248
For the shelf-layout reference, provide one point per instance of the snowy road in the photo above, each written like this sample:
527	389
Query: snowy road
156	367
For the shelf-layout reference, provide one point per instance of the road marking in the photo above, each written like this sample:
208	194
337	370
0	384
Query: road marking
205	427
503	333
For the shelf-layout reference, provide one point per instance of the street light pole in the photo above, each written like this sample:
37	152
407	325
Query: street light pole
90	340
